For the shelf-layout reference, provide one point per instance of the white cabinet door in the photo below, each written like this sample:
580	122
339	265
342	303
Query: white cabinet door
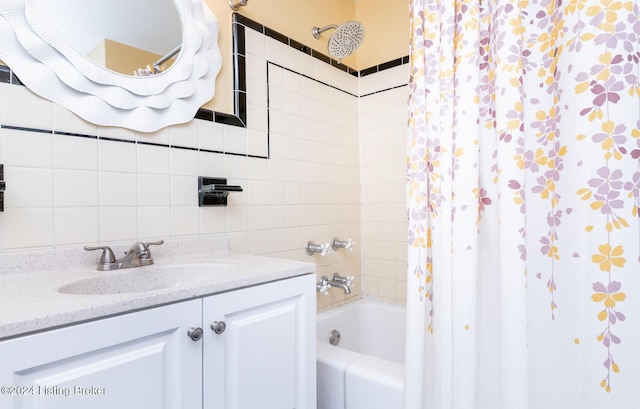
265	358
139	360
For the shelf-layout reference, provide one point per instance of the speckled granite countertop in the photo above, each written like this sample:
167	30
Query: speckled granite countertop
33	284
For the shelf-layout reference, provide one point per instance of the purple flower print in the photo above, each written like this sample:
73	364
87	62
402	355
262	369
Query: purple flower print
607	190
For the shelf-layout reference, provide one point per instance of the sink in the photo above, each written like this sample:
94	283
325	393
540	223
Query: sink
150	278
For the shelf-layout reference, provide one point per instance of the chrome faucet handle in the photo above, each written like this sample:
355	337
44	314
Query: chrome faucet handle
142	247
337	244
107	260
146	254
312	248
323	286
154	243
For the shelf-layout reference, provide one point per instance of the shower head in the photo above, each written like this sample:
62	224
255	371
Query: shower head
345	40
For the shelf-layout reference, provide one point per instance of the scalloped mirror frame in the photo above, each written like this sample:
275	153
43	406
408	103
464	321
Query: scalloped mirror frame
105	98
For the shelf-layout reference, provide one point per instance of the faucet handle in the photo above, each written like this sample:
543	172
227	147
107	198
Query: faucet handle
337	244
323	286
107	255
312	248
154	243
145	254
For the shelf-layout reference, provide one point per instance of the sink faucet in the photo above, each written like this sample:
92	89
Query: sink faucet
137	256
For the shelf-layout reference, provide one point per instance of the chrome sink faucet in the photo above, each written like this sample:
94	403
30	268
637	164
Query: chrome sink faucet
137	256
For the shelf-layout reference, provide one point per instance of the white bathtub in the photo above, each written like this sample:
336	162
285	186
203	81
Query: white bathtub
366	369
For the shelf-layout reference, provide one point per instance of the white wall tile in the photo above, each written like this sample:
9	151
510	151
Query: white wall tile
28	187
75	153
212	220
185	135
277	217
117	133
161	136
235	139
236	218
275	51
118	224
255	43
77	225
258	144
154	222
184	191
277	240
257	118
28	228
184	162
185	221
258	242
210	164
74	188
257	169
154	190
117	189
211	136
257	217
32	149
256	68
116	156
21	107
235	167
152	159
66	121
295	238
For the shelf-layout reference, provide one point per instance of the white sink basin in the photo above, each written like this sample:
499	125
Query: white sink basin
150	278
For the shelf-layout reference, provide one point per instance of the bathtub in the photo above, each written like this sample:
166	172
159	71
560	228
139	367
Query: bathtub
366	369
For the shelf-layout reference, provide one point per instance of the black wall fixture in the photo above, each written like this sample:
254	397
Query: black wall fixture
214	191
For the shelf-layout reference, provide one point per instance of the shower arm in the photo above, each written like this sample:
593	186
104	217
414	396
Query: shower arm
166	57
316	31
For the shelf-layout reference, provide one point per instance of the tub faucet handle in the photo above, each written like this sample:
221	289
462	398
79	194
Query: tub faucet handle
337	244
323	285
312	248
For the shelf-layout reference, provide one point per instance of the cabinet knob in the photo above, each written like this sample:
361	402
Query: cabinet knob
218	326
195	333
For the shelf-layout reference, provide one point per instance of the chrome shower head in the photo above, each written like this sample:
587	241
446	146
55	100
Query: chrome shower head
345	40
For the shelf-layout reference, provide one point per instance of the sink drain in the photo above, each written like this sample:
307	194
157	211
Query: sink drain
334	338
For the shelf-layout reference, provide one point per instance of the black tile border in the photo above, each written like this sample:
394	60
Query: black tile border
131	141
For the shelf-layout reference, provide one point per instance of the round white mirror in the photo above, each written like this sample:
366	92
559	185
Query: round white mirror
119	35
52	67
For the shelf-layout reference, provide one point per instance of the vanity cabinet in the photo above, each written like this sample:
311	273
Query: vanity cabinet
262	355
138	360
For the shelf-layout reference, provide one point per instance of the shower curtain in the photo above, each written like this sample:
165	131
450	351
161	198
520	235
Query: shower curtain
523	187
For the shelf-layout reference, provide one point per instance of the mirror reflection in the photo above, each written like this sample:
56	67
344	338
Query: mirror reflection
123	36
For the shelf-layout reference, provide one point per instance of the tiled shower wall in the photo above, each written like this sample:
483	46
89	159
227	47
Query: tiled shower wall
383	135
70	183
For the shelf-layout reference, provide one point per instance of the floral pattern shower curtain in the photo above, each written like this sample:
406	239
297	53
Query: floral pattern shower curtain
523	184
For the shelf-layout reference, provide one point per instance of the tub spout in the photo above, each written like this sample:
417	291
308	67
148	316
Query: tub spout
345	287
341	282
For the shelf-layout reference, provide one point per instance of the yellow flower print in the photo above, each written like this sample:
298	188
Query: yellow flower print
609	257
609	301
